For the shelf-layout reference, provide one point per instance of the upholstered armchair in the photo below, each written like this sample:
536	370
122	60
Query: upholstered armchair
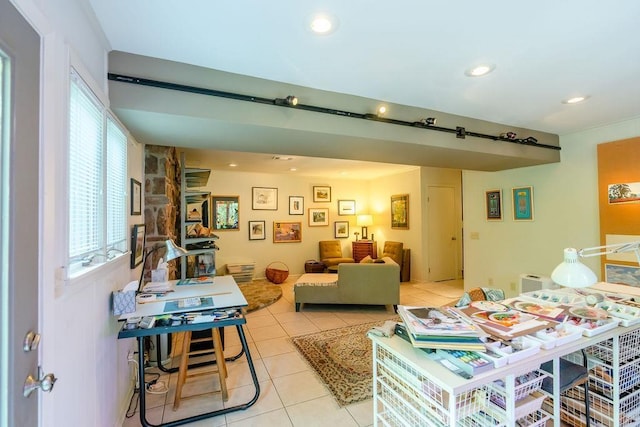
331	253
402	257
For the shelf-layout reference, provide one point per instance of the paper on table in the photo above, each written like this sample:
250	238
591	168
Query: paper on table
158	287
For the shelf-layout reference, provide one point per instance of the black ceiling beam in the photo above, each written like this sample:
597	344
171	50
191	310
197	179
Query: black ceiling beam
460	132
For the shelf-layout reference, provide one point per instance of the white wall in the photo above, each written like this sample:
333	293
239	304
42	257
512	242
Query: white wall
565	212
79	334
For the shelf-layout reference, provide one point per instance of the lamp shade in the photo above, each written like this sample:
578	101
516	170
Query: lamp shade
364	220
173	251
571	273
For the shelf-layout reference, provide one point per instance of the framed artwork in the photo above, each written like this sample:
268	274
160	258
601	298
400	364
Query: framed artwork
257	230
287	232
321	194
493	205
341	229
346	207
522	203
296	205
622	274
400	211
136	197
264	198
138	240
226	212
626	192
318	217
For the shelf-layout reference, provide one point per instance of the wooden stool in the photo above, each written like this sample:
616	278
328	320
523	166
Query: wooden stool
184	364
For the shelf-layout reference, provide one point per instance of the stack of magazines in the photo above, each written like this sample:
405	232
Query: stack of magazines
444	328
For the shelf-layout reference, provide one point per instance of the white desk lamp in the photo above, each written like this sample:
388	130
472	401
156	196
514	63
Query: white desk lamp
574	274
173	251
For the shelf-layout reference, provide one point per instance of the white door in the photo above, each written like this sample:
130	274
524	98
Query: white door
19	247
442	236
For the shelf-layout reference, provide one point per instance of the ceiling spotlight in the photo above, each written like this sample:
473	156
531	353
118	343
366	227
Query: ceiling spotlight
575	100
429	121
232	165
290	101
323	24
528	140
381	110
480	70
285	158
461	132
508	135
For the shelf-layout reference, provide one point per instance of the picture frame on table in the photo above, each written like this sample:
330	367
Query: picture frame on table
400	211
321	194
257	230
287	232
522	203
136	197
493	205
296	205
138	241
318	217
264	198
341	229
346	207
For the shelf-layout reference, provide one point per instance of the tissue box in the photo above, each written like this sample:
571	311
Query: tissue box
123	302
159	275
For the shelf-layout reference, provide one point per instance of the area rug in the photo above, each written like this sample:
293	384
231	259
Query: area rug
343	360
260	294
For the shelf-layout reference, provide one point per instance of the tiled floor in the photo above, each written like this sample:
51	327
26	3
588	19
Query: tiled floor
291	394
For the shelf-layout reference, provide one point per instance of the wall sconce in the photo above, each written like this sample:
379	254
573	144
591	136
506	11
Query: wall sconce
364	221
508	135
461	132
290	101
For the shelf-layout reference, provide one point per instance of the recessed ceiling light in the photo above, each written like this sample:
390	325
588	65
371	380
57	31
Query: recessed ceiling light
232	165
323	24
382	109
480	70
293	169
575	100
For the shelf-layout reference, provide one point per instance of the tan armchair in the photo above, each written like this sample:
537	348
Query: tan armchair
331	253
402	257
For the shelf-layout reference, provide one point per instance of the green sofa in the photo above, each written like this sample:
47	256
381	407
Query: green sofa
364	283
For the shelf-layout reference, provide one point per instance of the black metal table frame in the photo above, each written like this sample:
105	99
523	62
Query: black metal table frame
140	334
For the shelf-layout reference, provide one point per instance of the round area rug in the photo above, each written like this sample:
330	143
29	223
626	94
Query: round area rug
260	294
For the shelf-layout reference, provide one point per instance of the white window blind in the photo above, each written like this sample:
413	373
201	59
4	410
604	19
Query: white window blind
96	181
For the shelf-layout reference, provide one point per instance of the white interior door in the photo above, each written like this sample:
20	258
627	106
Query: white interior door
19	247
442	236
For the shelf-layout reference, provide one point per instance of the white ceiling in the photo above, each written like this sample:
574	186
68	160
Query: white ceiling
412	52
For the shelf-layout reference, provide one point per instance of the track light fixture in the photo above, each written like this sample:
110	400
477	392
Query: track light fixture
429	121
290	101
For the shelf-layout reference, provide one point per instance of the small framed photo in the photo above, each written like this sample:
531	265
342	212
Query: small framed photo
138	240
321	194
493	205
522	203
296	205
264	198
400	211
318	217
136	197
341	229
257	230
287	232
346	207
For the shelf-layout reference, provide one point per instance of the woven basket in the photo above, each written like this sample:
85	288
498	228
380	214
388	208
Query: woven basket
277	275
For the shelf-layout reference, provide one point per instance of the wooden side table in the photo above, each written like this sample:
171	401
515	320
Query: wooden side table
362	248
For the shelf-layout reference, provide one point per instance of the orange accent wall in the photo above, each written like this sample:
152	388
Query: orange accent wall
618	163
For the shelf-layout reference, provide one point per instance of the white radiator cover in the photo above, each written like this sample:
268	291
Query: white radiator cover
535	282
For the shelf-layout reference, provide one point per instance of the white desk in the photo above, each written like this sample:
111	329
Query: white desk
226	295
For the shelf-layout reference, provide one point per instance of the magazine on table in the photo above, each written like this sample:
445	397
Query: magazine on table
438	321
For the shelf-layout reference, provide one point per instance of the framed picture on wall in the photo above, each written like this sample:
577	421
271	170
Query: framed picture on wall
341	229
318	217
264	198
296	205
287	232
493	205
136	197
321	194
257	230
522	203
346	207
400	211
138	238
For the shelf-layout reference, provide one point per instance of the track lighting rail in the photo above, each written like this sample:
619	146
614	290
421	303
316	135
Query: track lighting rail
460	132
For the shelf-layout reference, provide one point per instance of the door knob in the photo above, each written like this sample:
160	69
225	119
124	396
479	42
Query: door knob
45	383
